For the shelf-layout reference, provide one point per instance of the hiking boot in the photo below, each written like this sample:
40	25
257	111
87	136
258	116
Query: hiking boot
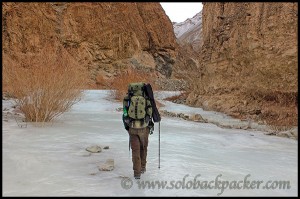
137	176
143	170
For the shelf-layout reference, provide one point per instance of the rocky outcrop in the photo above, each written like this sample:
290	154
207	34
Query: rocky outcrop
248	60
186	66
105	37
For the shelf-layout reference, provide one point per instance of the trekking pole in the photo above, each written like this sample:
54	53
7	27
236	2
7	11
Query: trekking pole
159	145
129	144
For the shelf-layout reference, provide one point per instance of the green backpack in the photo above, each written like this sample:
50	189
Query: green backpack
136	104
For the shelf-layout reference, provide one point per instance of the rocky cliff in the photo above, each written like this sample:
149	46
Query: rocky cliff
106	37
248	63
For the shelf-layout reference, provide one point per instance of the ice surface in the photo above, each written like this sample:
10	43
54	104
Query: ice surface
217	118
52	161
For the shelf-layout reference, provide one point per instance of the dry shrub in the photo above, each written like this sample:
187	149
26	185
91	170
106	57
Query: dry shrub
101	82
46	84
283	98
119	84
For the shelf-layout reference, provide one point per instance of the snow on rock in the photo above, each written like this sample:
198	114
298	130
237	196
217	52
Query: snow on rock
219	119
188	25
10	111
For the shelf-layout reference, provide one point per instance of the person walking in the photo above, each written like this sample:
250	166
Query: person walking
137	120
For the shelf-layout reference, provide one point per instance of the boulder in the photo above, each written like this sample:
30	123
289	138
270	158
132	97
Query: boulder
94	149
108	166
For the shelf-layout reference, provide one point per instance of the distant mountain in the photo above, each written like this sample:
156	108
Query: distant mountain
188	32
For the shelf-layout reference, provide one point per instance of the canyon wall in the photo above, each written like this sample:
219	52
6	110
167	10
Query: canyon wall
105	37
248	60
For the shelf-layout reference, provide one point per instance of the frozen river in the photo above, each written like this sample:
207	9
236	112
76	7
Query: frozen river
196	159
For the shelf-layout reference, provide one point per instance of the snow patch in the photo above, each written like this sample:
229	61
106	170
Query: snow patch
188	25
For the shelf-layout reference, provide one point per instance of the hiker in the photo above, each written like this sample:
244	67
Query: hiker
137	120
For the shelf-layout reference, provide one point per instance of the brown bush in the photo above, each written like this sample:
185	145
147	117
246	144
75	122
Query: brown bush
101	82
46	84
282	98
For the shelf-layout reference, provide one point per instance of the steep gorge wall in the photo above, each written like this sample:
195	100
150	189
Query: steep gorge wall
248	57
106	37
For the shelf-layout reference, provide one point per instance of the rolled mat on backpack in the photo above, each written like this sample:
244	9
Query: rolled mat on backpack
155	114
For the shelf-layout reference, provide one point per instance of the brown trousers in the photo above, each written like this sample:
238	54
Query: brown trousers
139	144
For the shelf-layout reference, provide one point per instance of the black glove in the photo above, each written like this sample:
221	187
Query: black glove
126	120
147	118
